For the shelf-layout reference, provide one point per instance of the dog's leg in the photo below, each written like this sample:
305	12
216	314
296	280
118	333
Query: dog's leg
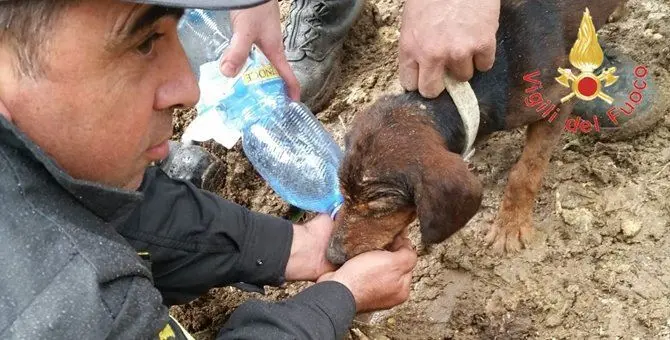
514	226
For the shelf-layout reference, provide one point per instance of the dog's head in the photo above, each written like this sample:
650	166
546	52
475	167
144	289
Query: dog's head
396	168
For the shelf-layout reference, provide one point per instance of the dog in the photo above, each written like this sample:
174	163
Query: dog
402	157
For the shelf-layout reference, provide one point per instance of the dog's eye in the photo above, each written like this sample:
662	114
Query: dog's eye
381	207
378	205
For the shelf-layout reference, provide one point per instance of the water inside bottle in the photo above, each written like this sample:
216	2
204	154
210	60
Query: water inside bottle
203	36
297	157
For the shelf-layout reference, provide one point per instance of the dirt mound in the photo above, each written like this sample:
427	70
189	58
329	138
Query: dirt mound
597	266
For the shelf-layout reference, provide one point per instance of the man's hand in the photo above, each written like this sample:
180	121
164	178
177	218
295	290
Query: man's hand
378	279
439	36
307	261
259	25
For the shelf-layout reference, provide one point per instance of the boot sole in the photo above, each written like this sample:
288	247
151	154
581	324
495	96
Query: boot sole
641	124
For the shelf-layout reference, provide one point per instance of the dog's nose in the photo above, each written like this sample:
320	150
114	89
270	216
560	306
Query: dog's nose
335	252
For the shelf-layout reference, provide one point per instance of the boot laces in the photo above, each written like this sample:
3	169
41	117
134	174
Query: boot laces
320	9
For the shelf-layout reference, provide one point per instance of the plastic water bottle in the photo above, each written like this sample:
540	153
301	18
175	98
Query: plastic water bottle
281	138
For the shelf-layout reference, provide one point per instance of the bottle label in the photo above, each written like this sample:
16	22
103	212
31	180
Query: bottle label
256	75
256	91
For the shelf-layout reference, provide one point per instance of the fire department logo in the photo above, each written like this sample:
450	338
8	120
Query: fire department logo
586	55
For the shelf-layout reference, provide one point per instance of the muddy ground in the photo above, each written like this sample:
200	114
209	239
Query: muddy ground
599	264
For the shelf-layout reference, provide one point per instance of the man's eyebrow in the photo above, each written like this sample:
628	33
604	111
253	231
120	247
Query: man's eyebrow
150	16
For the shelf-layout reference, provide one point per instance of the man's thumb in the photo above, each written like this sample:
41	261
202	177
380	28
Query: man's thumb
406	256
236	55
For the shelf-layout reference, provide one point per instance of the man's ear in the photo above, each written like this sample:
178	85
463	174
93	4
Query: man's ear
446	196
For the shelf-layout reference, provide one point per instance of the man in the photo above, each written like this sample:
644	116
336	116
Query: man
436	37
96	243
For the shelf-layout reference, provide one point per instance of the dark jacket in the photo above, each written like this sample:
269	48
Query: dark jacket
71	268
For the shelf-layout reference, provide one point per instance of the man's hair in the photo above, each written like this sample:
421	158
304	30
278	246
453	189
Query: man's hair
25	26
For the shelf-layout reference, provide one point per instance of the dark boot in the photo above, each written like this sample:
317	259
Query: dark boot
313	39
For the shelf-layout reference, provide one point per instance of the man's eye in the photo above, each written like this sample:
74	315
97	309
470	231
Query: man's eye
147	46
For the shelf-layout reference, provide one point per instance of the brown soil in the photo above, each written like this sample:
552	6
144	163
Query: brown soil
597	266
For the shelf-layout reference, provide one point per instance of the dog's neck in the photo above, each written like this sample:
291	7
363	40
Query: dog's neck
446	117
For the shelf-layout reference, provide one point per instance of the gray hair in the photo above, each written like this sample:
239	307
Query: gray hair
25	26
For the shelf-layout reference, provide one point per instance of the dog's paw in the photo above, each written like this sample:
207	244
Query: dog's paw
509	236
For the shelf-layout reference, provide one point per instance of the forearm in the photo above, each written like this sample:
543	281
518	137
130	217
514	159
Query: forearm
322	311
198	240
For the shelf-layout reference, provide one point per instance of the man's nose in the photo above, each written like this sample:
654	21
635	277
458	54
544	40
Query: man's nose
189	92
181	88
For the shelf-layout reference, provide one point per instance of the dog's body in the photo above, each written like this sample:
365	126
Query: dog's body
402	154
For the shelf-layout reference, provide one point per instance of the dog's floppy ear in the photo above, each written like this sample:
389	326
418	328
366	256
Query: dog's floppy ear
446	195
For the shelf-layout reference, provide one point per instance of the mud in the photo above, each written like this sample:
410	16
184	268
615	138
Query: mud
597	265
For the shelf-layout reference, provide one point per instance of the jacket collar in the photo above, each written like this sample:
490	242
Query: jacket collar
106	202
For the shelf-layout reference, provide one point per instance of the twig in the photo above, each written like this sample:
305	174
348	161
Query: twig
360	334
662	169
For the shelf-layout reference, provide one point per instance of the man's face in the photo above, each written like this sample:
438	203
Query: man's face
114	72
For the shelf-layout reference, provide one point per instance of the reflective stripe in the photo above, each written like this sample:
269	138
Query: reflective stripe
186	335
174	331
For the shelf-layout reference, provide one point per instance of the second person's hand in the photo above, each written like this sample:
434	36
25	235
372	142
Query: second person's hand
260	25
440	36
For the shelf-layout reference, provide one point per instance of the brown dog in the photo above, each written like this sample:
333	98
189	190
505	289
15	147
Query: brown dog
402	157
